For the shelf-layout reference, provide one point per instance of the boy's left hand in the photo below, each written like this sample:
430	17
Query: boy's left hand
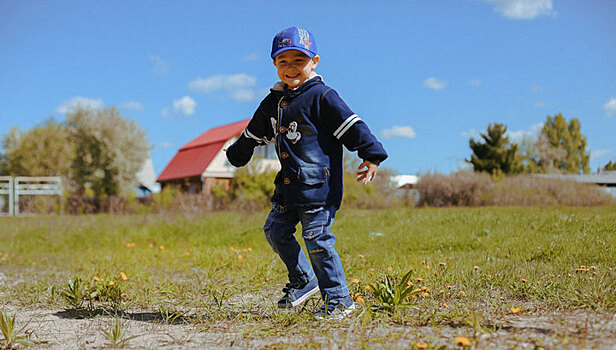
368	174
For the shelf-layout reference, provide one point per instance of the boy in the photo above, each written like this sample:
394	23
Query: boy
309	123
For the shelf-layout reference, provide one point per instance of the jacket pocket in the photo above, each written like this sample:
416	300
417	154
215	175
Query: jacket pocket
312	175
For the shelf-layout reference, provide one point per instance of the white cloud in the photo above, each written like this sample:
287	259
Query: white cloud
166	144
520	135
513	136
161	67
243	95
475	82
222	82
185	106
405	132
435	84
523	9
78	101
252	57
134	105
610	107
237	86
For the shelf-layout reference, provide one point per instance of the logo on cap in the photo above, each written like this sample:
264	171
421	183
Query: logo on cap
304	38
284	42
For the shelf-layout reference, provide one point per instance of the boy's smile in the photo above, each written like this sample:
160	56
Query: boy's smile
294	67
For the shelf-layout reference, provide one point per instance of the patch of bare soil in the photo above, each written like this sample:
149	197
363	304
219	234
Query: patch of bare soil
61	329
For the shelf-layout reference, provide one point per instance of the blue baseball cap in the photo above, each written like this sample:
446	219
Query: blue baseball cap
294	38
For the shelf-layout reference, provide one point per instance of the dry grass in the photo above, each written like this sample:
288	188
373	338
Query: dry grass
480	189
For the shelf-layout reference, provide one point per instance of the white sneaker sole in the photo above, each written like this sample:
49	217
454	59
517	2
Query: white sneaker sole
338	314
305	297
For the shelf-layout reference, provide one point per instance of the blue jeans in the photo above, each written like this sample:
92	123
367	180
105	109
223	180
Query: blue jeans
316	224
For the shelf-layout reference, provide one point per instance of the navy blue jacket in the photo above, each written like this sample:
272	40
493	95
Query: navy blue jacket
309	126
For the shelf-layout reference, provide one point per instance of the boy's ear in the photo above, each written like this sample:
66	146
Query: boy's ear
274	62
316	59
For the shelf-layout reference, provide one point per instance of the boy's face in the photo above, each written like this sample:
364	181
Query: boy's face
294	67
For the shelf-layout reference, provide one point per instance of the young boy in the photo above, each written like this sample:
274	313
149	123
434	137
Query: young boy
309	123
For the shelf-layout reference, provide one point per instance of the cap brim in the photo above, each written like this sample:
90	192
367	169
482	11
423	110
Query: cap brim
305	52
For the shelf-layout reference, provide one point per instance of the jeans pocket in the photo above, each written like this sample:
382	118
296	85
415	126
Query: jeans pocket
315	232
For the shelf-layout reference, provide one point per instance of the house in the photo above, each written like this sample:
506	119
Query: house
202	164
606	179
405	187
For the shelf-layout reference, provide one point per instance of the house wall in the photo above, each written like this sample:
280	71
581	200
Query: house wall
221	168
186	185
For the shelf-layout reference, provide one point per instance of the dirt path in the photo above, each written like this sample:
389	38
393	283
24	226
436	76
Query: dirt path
61	329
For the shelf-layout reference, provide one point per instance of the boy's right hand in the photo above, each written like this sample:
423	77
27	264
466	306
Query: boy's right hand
368	174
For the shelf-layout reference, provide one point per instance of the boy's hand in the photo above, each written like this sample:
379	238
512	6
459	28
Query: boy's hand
368	174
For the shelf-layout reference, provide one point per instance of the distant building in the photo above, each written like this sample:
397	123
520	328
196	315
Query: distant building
406	187
202	164
604	178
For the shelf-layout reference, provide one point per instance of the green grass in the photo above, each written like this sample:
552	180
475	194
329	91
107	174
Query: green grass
472	265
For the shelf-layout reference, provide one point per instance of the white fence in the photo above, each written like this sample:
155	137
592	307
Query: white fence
12	188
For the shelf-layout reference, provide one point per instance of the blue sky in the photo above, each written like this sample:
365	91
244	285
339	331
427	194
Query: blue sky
425	75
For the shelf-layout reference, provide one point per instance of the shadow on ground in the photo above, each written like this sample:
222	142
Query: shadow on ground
151	317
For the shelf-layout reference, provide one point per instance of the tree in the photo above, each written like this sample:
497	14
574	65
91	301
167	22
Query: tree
42	151
495	155
566	138
539	156
109	151
610	166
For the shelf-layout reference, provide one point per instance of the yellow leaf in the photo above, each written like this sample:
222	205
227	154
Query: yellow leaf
515	310
421	346
355	280
123	275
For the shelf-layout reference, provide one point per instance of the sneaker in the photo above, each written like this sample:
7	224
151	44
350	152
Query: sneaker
296	295
336	310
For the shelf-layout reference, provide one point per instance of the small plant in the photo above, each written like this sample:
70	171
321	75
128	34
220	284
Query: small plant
116	336
75	293
11	336
168	315
391	294
110	293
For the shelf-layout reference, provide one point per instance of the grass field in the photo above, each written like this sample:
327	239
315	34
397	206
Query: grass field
497	277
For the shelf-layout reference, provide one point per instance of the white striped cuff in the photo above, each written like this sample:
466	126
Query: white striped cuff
346	125
250	135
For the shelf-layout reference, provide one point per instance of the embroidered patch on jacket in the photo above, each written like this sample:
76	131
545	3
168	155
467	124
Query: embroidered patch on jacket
274	124
292	133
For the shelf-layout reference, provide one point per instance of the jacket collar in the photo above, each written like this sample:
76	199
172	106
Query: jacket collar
312	79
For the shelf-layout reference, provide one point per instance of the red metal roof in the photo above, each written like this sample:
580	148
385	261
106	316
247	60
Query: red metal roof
221	133
194	157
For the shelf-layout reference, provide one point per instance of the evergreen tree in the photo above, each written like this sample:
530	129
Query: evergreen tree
610	166
495	155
